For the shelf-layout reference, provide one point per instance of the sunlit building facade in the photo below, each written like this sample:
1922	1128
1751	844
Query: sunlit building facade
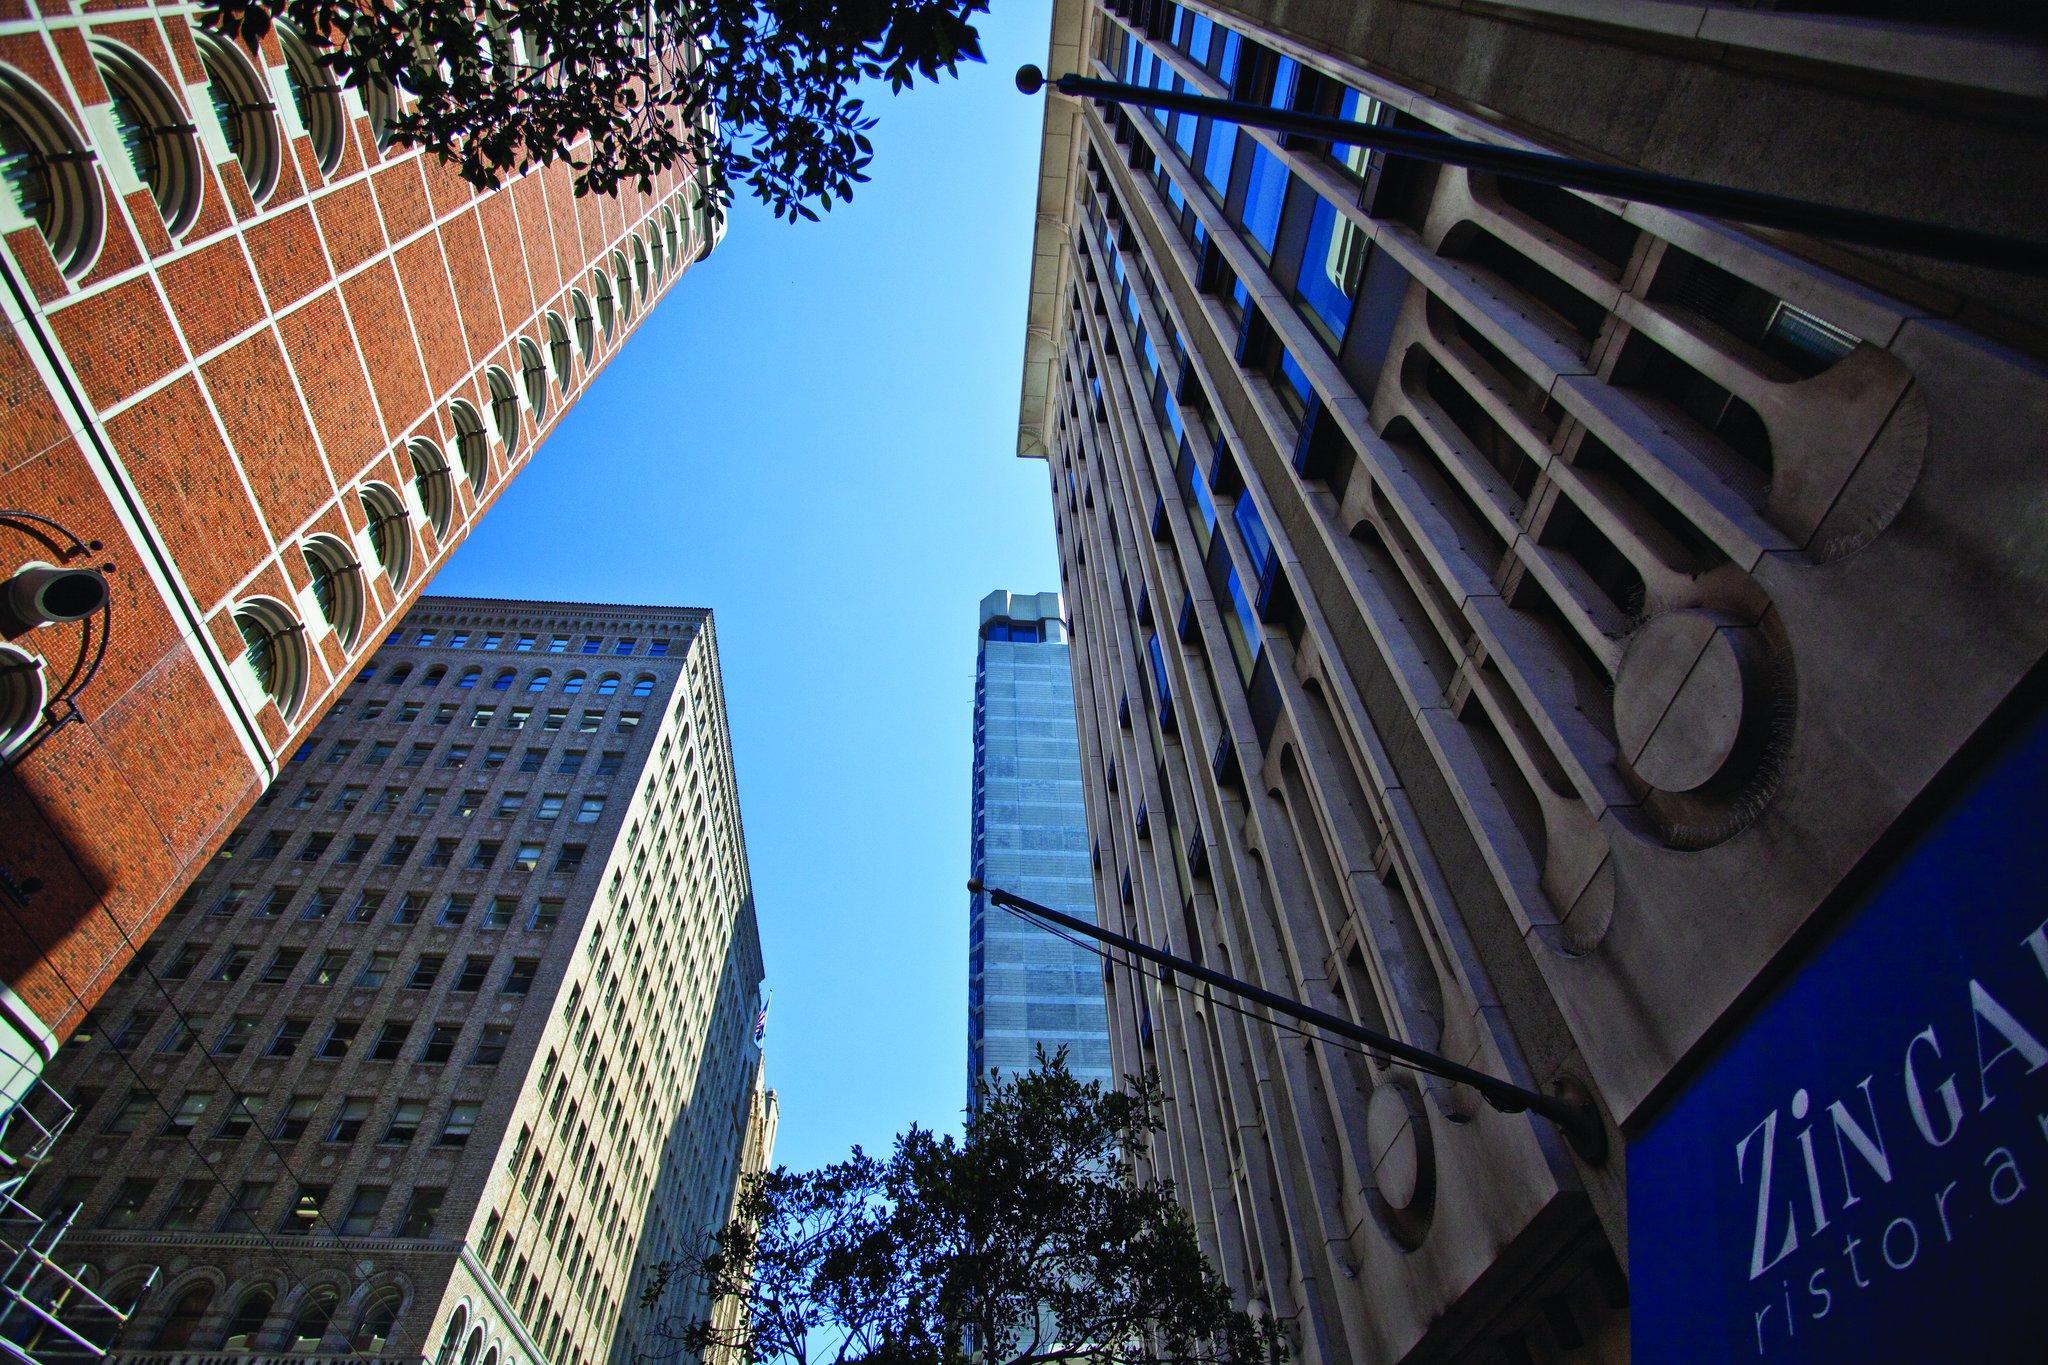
1028	990
453	1041
1517	620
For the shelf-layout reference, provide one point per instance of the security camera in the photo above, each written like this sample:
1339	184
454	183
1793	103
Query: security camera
42	594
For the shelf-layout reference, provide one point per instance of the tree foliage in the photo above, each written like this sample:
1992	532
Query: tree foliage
760	92
1026	1241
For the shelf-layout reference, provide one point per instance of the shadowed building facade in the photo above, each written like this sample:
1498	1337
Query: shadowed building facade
453	1039
1514	619
269	369
1026	989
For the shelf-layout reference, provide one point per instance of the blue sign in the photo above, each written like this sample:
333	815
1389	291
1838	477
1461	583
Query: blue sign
1862	1173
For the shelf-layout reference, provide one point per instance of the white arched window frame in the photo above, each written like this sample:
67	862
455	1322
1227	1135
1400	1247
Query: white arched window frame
504	407
607	306
337	586
472	443
622	281
430	478
48	176
642	270
243	108
533	376
317	96
389	532
585	324
561	354
156	133
274	651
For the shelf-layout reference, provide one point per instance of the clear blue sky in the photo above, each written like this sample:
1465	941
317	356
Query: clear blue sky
812	435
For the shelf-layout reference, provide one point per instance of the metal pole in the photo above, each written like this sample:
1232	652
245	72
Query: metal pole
1577	1121
1753	207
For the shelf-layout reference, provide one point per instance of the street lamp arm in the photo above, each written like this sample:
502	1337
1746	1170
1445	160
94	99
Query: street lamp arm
1579	1123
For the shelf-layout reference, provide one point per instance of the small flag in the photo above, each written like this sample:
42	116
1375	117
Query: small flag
761	1019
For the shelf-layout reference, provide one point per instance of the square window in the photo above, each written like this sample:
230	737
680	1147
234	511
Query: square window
286	1041
416	756
355	1111
125	1211
341	1035
519	980
240	1216
494	757
377	970
550	805
498	914
405	1121
472	801
367	903
475	970
298	1113
609	762
411	905
420	1212
484	854
231	900
272	845
183	1035
570	859
523	645
182	1213
461	1122
455	913
440	1044
424	971
390	1041
340	750
320	904
533	760
361	1218
387	801
181	965
273	901
490	1049
234	1038
399	849
330	967
140	1022
527	857
235	963
186	1116
442	854
572	762
304	1215
240	1117
356	850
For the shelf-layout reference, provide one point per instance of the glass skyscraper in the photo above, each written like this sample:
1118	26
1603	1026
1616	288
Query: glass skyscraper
1027	989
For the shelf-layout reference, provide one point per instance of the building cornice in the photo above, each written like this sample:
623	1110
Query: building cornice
1049	234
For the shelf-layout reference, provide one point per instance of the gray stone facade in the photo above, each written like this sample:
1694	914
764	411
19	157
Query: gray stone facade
1504	616
481	969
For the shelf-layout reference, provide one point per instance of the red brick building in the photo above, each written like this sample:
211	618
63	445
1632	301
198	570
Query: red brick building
269	373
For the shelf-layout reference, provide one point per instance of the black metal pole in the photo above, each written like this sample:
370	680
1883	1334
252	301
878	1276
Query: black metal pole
1578	1122
1753	207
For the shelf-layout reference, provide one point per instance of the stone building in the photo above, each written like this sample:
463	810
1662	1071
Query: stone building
1027	990
453	1038
1525	621
267	369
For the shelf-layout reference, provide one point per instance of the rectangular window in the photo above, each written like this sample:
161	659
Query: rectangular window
590	811
550	805
315	847
411	905
457	755
272	845
420	1211
442	854
470	803
492	641
356	850
129	1116
308	795
355	1111
570	859
191	1108
273	901
366	905
282	962
440	1044
509	804
494	757
490	1048
379	753
320	904
390	1041
240	1117
498	914
235	963
240	1216
399	849
557	717
519	980
1265	193
328	970
405	1121
572	762
657	649
298	1113
533	760
475	969
481	716
340	751
624	646
523	645
416	757
304	1215
629	721
184	1035
460	1124
526	857
609	762
483	854
140	1022
455	912
387	801
517	717
410	712
182	1213
187	958
592	645
285	1043
372	709
341	1034
349	797
424	971
459	640
125	1211
361	1218
426	637
589	722
444	714
558	645
234	1038
231	900
377	970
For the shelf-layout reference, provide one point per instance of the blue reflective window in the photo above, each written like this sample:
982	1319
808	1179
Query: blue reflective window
1216	163
1294	381
1265	191
1233	48
1283	82
1199	33
1257	544
1247	617
1198	489
1147	352
1159	686
1329	269
1184	130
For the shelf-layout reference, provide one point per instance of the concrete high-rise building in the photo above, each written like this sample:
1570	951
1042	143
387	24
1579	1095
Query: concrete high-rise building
453	1040
1537	626
268	369
764	1114
1026	989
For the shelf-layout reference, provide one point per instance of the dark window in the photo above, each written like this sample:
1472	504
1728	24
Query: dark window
440	1044
390	1041
475	970
125	1211
339	1036
420	1212
490	1049
405	1121
355	1110
304	1214
460	1124
298	1114
361	1218
289	1035
424	971
519	980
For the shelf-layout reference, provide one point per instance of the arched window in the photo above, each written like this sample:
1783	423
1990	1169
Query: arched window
430	476
337	586
559	353
503	682
622	280
586	325
276	651
399	674
607	309
176	1331
242	107
154	131
245	1324
310	1323
381	103
539	681
641	272
44	165
452	1337
474	1346
470	677
533	372
23	694
317	96
669	234
373	1328
472	446
390	537
573	683
643	686
433	676
656	252
608	685
504	407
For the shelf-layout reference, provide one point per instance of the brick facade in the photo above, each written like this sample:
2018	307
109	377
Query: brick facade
200	404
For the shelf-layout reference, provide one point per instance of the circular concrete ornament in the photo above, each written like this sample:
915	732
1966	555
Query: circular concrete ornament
1679	698
1390	1134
